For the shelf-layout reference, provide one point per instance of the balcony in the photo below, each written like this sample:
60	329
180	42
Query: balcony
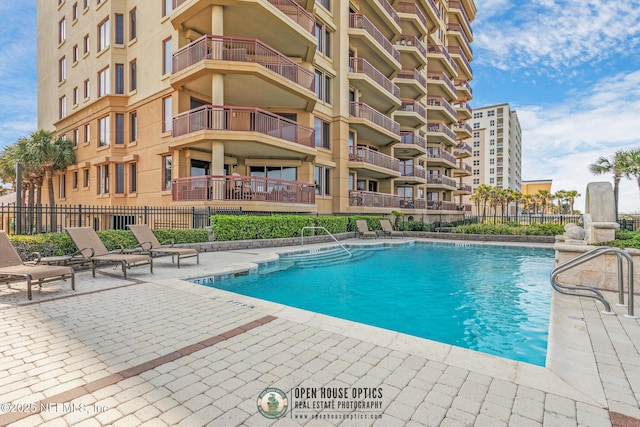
373	45
462	130
441	85
456	31
372	199
457	9
413	171
256	19
441	134
436	156
447	206
464	110
248	131
440	109
370	157
464	68
461	169
415	20
413	51
462	190
241	189
376	89
411	144
372	125
440	59
411	114
432	13
412	83
464	89
264	73
389	11
441	180
462	150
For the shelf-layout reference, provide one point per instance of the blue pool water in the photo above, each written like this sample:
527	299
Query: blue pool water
485	298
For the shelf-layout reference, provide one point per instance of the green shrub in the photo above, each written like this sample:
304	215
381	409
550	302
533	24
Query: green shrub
625	239
511	229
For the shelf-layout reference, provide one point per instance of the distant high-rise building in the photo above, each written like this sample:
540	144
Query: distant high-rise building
302	106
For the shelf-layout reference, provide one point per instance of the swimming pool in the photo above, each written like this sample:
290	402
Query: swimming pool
492	299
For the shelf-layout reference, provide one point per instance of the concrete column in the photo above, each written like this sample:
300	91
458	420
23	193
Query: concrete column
217	80
217	25
217	168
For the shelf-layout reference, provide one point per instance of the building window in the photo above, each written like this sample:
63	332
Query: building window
286	173
166	172
133	75
476	171
76	95
322	180
74	180
476	134
62	30
476	181
74	11
477	115
476	144
103	35
322	133
492	132
75	53
103	131
476	153
133	21
62	69
133	126
492	152
167	7
119	28
86	88
492	122
103	82
85	47
492	161
76	137
323	86
476	125
492	142
166	56
492	171
325	3
133	178
323	39
491	113
86	4
167	114
119	128
103	179
62	107
85	178
62	187
120	79
476	163
492	180
87	133
119	178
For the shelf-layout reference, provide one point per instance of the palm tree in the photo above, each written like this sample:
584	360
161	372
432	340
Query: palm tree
51	154
543	196
571	198
634	165
560	196
481	196
618	166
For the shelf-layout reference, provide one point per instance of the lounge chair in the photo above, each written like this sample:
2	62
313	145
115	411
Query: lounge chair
387	229
11	266
148	242
363	229
92	249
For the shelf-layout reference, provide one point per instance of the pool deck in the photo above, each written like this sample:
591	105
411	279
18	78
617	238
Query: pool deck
155	350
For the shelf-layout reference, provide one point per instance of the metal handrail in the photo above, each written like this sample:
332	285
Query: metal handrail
589	255
327	231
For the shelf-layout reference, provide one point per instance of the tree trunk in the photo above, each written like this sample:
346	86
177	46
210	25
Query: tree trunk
53	223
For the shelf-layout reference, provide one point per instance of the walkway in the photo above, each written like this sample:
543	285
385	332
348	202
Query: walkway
154	350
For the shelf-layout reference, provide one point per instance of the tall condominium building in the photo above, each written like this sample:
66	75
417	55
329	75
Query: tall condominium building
305	106
496	145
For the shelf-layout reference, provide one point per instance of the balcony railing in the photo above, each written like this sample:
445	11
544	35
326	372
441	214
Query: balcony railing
413	138
439	127
457	50
413	8
243	119
462	148
445	206
390	10
412	170
243	50
297	13
241	188
458	28
411	40
434	8
465	106
441	179
438	101
361	65
455	4
464	166
439	153
413	106
441	76
364	111
359	21
463	126
463	84
412	73
383	200
441	50
366	155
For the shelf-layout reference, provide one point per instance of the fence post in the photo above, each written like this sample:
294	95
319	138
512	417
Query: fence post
145	214
79	215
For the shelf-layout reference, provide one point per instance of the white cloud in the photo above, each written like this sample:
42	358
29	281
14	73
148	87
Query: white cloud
561	140
554	34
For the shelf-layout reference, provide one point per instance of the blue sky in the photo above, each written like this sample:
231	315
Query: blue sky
570	68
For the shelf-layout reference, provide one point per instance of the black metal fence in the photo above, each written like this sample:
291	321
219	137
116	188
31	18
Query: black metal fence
42	219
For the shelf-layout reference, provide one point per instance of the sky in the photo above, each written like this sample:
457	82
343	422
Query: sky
570	69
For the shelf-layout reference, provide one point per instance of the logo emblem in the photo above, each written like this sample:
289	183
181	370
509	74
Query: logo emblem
273	403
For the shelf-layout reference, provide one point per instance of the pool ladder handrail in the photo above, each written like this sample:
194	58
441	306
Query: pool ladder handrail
327	231
587	256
